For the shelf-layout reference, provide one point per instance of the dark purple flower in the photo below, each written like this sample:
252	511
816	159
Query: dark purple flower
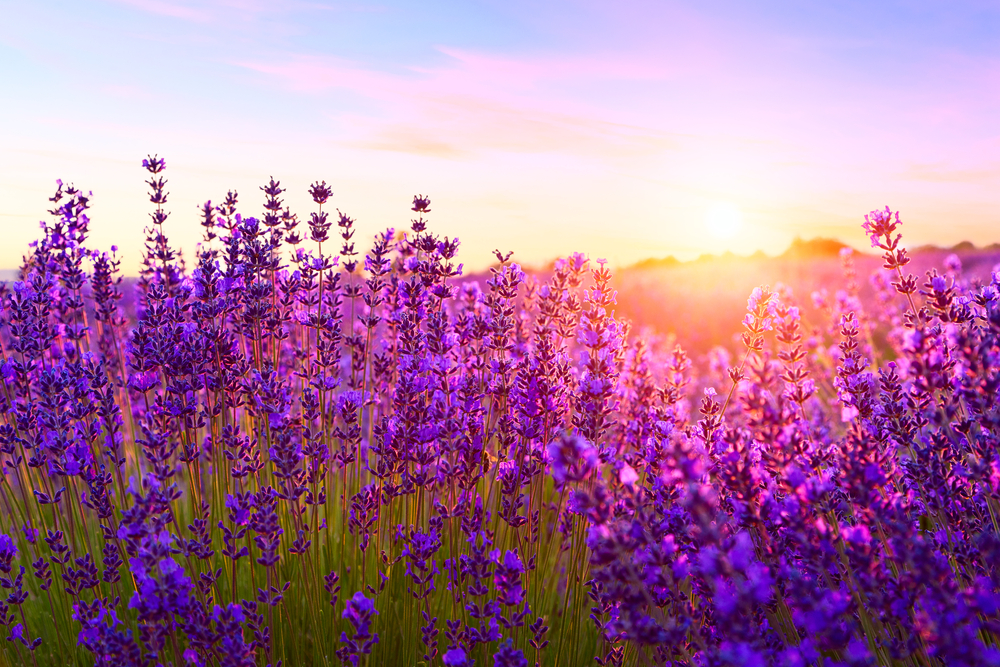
456	657
508	656
359	612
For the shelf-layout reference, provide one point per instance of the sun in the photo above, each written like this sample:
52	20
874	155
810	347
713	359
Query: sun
723	220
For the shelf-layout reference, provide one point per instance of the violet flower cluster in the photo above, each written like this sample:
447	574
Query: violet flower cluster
286	450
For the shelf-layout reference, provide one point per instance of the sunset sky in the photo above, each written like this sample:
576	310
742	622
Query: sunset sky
624	130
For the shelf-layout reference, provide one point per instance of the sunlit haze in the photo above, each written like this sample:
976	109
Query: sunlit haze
723	220
623	130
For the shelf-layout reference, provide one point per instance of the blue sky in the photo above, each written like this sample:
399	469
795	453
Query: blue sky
545	128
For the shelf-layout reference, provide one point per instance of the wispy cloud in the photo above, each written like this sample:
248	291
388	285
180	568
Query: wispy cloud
523	72
216	11
512	131
477	102
409	139
941	173
177	10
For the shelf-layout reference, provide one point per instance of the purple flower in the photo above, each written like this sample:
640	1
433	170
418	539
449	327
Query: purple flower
627	475
154	165
857	535
8	549
508	656
239	506
456	658
164	588
572	458
463	441
359	612
143	382
880	224
421	204
507	577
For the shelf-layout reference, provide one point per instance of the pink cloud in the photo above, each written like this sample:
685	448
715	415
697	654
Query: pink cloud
466	72
479	103
411	140
175	10
938	173
464	127
313	75
706	101
215	11
528	71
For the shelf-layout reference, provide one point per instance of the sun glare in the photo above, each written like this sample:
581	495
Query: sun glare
723	220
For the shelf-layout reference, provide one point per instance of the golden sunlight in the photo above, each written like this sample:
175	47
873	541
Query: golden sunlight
723	220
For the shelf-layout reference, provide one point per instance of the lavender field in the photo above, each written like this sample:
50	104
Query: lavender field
302	447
